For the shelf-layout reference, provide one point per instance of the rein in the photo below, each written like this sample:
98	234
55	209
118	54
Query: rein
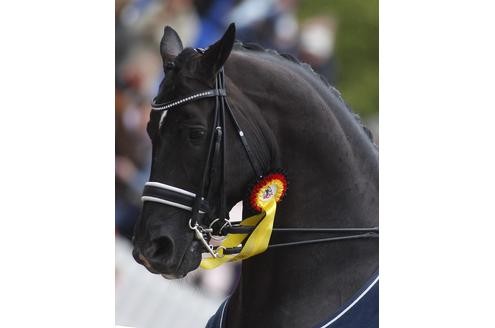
365	233
214	167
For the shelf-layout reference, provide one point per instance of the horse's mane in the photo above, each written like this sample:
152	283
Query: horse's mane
256	47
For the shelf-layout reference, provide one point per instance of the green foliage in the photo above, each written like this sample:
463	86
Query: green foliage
356	49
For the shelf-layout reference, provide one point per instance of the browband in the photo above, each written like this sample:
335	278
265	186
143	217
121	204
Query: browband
204	94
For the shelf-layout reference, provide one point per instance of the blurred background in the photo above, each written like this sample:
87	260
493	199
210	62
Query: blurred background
338	38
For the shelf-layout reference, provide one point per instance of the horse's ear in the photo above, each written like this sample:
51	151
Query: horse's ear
170	46
216	55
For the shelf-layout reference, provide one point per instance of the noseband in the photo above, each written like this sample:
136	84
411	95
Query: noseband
197	203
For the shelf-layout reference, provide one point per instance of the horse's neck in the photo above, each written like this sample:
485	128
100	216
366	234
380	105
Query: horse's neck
301	286
333	183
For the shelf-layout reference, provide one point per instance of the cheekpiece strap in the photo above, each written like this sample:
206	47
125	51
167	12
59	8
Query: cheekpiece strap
204	94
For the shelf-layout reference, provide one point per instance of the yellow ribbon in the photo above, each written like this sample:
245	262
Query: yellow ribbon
256	243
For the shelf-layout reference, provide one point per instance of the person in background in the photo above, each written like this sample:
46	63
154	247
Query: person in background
317	43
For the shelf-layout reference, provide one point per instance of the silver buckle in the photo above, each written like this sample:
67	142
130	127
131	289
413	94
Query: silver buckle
199	230
214	237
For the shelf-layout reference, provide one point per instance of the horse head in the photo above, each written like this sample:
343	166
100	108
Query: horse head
189	182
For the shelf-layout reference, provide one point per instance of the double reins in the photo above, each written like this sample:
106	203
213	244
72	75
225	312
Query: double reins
214	167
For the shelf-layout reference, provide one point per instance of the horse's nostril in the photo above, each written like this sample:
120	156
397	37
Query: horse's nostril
162	248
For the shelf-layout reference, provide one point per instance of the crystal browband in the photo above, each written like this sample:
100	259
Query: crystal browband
173	103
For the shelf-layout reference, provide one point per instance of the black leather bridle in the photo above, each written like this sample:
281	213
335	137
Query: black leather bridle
214	171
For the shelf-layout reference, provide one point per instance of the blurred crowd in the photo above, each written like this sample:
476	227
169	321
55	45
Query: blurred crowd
138	29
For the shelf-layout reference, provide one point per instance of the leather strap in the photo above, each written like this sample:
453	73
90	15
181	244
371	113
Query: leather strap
238	229
368	235
173	197
201	95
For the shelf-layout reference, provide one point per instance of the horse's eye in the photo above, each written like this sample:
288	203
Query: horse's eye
196	134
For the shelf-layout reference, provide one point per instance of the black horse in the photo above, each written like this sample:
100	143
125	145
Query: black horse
292	119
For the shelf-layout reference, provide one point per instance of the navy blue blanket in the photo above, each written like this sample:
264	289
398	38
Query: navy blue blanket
360	311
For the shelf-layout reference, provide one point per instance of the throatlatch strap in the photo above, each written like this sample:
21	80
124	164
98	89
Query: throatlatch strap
254	164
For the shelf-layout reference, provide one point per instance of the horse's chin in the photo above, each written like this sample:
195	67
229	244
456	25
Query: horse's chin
173	276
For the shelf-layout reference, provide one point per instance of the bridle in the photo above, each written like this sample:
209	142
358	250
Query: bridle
214	170
214	165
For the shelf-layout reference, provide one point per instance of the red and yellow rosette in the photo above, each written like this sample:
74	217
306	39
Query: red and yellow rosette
263	198
271	187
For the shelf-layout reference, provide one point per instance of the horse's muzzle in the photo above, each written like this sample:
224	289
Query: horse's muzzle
158	256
